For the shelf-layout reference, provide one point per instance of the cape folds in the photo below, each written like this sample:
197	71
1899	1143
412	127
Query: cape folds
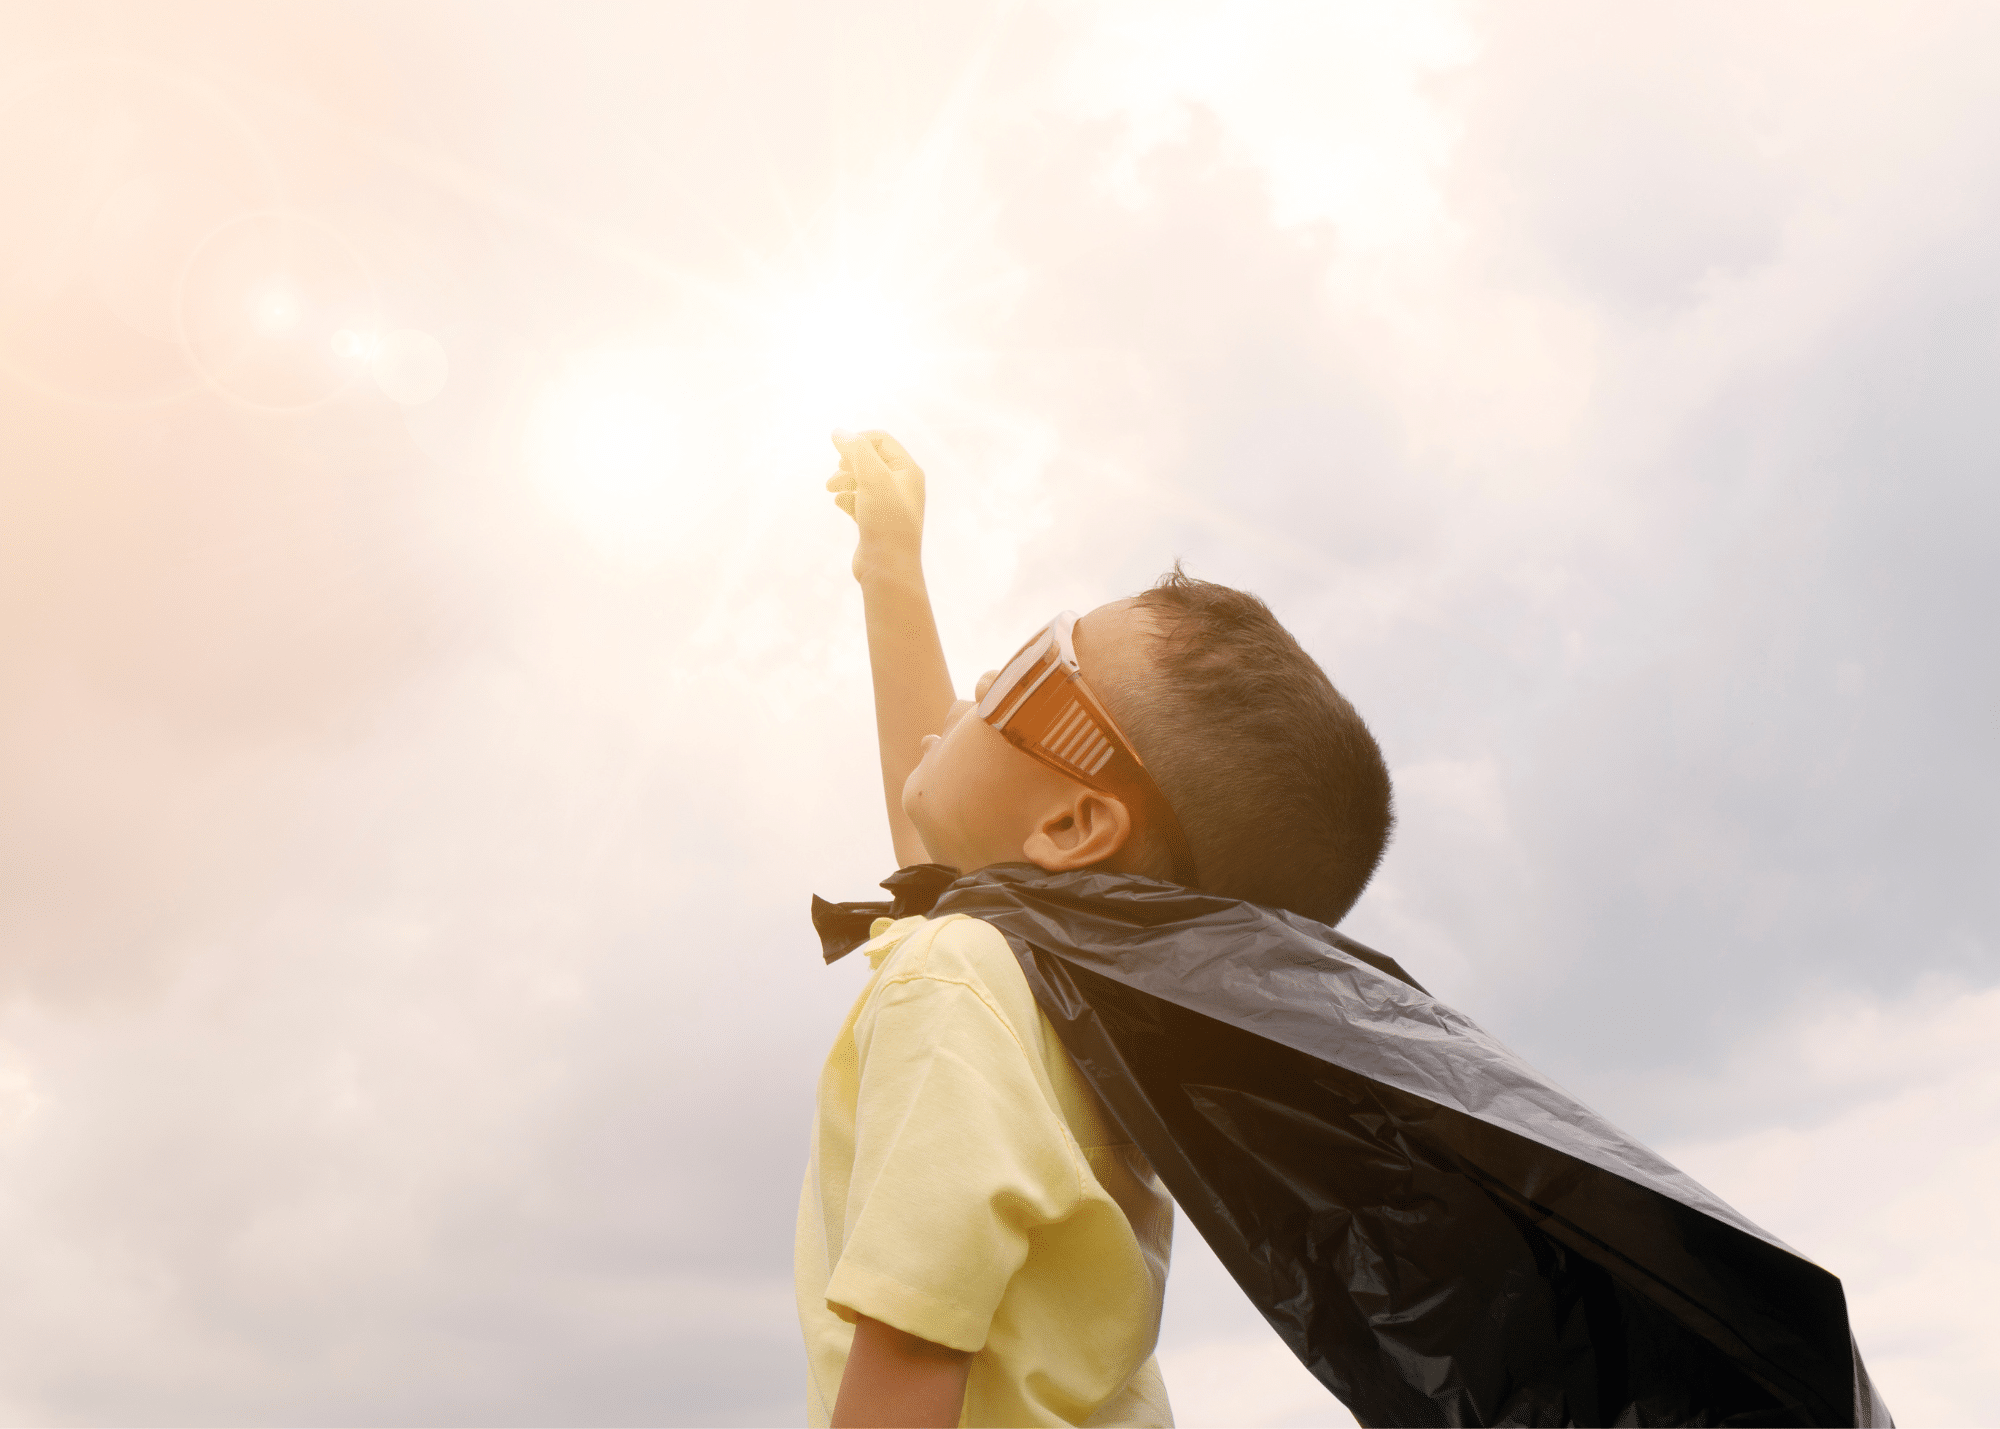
1440	1234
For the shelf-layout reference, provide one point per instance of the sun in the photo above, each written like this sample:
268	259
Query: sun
842	353
630	446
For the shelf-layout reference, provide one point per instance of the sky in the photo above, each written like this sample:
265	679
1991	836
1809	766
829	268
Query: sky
434	684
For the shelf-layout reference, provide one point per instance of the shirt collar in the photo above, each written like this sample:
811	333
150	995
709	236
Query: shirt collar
885	934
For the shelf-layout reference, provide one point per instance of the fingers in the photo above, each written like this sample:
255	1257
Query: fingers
858	456
843	484
890	450
874	446
850	446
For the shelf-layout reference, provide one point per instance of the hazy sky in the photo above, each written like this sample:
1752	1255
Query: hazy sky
434	685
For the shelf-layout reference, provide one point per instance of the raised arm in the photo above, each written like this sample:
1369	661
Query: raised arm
883	490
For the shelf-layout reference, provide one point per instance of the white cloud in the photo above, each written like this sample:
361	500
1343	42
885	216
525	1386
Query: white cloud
385	867
1883	1172
1223	1365
1454	826
1327	100
1245	1383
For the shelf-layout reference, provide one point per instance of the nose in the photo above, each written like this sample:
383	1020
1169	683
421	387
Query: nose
985	683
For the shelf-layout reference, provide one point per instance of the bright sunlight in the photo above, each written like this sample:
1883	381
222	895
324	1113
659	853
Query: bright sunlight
841	354
628	445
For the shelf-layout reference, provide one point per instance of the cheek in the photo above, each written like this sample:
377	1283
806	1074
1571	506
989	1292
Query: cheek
929	762
958	771
931	782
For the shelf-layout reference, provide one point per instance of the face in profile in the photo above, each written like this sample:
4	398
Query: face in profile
970	793
977	800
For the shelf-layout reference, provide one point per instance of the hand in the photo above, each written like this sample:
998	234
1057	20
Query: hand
883	490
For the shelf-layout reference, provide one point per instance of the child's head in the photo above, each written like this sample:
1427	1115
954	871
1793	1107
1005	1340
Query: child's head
1276	782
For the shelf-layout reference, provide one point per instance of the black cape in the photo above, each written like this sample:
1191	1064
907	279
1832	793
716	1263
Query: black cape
1439	1233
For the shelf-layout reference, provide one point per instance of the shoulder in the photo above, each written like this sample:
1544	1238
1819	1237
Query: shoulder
955	949
957	952
956	946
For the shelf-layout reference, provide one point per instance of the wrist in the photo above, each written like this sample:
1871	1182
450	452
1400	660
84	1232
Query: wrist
899	573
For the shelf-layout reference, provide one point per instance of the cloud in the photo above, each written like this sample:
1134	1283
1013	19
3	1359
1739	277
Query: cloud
409	1012
1222	1363
1880	1143
1327	101
1246	1382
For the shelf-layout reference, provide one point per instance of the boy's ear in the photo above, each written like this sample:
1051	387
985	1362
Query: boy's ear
1090	828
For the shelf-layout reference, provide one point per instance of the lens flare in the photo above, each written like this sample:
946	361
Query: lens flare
263	306
115	170
409	367
276	310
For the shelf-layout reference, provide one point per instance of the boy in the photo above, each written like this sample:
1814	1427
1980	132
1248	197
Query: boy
998	1247
1130	986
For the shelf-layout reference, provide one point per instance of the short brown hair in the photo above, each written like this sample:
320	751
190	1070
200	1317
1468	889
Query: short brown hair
1279	785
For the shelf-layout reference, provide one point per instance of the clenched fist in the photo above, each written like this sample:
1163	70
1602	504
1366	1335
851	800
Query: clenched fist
883	490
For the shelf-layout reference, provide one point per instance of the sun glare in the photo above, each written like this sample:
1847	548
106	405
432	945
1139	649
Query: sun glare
842	354
634	447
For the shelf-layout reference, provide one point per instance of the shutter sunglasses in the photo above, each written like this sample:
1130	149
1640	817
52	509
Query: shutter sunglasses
1042	705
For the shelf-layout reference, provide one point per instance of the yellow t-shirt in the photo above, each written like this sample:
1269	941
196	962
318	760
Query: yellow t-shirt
965	1187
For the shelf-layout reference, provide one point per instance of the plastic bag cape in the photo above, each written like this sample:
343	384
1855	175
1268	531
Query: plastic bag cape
1440	1234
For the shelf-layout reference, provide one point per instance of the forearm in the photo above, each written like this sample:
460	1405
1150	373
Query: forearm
894	1380
912	685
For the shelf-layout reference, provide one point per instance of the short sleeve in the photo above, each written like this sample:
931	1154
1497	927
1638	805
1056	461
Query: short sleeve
958	1157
